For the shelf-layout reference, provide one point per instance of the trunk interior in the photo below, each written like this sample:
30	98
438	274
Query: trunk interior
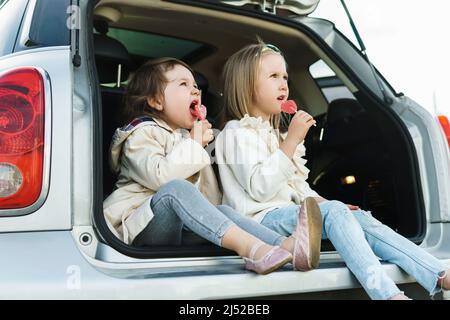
359	153
364	159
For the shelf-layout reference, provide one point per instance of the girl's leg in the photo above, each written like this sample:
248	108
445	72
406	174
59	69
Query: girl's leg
252	227
179	203
165	229
391	246
444	280
347	236
304	242
283	221
344	231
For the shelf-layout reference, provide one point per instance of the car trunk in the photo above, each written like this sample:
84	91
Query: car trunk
365	159
364	156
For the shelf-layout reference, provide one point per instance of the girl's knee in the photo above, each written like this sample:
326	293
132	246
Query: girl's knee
337	205
337	211
366	219
288	222
174	186
177	189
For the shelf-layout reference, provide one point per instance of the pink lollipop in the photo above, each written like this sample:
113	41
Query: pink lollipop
289	107
199	112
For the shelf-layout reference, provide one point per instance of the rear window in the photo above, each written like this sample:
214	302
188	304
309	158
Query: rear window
49	24
332	88
153	46
11	13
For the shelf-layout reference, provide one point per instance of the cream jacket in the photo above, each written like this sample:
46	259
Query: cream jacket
256	175
147	155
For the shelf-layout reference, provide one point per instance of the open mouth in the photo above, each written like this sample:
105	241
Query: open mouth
193	108
197	111
281	98
193	105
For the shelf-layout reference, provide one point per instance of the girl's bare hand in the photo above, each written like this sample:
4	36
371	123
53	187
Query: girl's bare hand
352	207
202	132
300	125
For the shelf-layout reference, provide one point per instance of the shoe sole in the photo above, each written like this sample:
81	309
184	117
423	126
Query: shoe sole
315	231
277	266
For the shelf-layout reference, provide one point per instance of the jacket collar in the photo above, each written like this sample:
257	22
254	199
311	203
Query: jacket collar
163	124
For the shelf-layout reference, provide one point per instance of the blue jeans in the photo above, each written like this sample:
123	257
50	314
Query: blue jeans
360	239
179	208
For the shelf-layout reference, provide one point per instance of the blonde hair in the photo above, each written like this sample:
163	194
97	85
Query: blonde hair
239	81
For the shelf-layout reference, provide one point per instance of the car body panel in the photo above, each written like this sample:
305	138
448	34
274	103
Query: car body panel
11	18
433	157
52	267
55	213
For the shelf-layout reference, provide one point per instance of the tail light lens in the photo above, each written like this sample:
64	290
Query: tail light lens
21	137
443	120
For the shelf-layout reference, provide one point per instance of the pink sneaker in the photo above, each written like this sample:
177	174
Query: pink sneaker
272	260
308	236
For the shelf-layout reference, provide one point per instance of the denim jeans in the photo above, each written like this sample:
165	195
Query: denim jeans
179	208
360	239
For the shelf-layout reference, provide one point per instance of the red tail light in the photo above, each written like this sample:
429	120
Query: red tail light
446	126
22	112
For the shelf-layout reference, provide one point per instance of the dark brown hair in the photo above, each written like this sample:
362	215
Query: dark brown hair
148	81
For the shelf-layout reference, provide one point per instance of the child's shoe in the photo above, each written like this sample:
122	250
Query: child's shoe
308	236
272	260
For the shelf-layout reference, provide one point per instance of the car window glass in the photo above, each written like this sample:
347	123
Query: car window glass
330	85
49	24
320	69
152	45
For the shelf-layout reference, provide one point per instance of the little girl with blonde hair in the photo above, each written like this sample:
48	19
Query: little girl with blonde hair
264	177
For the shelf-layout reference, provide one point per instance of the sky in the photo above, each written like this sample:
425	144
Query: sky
407	40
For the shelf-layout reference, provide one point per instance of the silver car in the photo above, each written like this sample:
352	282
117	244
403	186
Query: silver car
63	70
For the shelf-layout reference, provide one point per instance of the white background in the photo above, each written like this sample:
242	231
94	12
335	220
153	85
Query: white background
407	40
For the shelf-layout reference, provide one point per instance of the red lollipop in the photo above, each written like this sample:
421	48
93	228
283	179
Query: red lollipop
289	107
